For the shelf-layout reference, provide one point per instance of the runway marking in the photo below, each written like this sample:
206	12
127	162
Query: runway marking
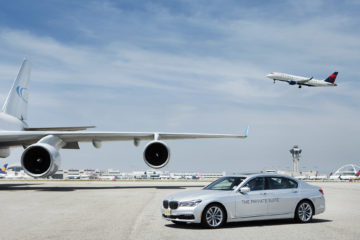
143	216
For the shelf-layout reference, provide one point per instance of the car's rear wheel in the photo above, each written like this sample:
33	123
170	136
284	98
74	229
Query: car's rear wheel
214	216
304	212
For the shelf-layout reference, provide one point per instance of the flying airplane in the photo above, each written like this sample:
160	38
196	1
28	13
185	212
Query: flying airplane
41	156
298	80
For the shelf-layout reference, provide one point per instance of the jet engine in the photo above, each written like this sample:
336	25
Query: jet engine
4	152
41	159
156	154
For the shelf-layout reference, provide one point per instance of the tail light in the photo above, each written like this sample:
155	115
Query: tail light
322	191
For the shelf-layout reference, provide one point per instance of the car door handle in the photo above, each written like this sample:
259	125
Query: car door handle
295	191
263	193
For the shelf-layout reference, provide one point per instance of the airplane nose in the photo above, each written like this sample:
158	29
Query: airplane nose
269	75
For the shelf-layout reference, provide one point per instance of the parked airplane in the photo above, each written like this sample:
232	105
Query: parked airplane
16	175
3	171
345	176
41	157
357	176
298	80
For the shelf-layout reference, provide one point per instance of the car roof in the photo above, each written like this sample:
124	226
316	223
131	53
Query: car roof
250	175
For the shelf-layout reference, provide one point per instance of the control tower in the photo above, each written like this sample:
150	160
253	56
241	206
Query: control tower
295	152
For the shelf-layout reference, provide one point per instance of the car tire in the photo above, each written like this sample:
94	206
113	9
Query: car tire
178	223
304	212
213	216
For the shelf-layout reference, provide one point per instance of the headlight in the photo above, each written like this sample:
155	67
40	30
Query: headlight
191	203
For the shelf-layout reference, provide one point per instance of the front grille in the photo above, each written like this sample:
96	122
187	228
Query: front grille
174	205
165	204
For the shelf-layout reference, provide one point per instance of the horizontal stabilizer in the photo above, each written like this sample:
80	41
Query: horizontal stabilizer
80	128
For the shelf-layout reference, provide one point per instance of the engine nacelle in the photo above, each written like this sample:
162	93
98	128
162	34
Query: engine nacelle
4	152
156	154
40	160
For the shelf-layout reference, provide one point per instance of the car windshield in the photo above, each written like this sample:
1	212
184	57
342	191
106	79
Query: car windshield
225	183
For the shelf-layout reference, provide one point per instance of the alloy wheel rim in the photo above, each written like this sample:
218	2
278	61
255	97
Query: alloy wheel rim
305	212
214	216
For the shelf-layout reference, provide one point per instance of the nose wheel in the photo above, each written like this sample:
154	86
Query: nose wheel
299	86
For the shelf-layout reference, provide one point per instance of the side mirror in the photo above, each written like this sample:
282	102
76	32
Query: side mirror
244	189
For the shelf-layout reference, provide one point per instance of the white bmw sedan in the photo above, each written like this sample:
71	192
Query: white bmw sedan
245	198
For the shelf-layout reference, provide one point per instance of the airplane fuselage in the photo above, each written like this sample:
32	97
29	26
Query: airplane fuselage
10	123
299	80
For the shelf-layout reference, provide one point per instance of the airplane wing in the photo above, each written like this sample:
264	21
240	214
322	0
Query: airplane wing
281	80
78	128
71	138
295	82
304	81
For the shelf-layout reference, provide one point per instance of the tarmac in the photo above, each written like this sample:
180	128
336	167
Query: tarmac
131	210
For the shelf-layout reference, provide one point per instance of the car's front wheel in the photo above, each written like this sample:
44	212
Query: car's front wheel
304	212
214	216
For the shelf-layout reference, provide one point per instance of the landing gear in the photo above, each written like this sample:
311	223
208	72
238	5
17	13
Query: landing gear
299	86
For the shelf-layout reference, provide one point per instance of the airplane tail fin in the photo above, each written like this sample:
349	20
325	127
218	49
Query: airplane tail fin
332	78
357	174
3	168
17	100
246	131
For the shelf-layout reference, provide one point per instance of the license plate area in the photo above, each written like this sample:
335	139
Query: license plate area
167	212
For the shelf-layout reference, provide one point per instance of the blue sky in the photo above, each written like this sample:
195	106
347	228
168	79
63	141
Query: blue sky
191	66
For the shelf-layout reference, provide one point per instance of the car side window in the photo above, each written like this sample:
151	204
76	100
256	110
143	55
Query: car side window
288	183
280	183
256	184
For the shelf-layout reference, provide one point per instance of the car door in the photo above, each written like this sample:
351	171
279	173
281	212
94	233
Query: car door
253	203
282	195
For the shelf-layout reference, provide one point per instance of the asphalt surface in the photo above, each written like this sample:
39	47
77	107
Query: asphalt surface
131	210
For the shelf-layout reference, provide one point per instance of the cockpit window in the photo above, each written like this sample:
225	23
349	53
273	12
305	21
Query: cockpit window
225	183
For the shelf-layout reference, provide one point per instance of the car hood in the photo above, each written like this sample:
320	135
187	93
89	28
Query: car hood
197	194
